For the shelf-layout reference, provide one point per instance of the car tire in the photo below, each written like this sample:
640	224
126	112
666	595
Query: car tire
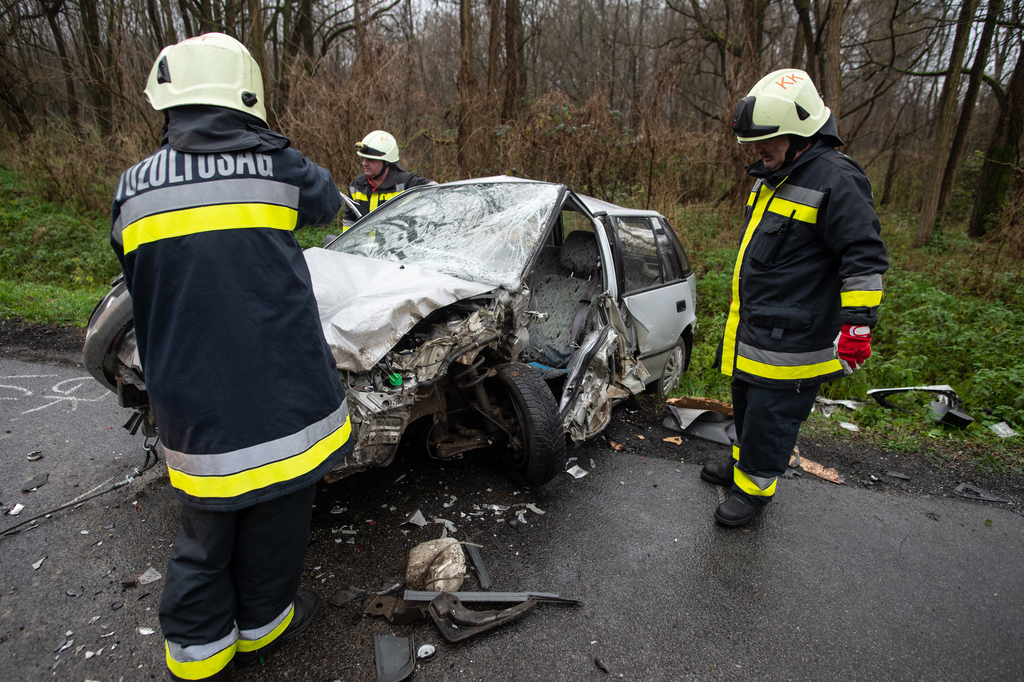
527	403
672	375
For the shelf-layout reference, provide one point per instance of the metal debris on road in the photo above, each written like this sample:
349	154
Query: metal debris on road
34	456
1003	430
973	492
457	623
897	474
478	564
426	652
396	610
494	597
395	657
576	472
35	482
708	424
16	509
150	576
342	597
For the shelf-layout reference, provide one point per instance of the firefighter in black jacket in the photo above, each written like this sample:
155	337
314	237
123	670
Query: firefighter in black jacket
382	178
806	285
242	385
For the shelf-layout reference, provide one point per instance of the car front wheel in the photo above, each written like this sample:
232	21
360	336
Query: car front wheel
536	444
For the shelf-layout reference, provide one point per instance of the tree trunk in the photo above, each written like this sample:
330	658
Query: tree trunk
154	22
513	60
466	85
170	36
806	30
74	109
995	8
186	19
1002	155
947	110
99	87
890	173
257	47
494	48
833	75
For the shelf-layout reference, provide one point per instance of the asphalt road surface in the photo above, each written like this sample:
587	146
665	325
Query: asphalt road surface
830	583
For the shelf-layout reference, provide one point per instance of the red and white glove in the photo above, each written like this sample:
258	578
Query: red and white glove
854	344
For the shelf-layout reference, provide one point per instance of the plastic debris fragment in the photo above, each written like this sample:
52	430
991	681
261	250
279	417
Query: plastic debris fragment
150	576
36	565
576	472
145	632
1003	430
417	519
677	440
34	456
436	565
973	492
16	509
35	482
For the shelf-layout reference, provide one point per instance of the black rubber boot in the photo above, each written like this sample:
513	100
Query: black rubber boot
718	473
734	512
306	606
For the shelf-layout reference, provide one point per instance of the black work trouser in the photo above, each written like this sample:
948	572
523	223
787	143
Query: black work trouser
767	423
234	569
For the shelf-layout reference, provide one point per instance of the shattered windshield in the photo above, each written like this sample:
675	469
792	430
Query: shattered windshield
479	232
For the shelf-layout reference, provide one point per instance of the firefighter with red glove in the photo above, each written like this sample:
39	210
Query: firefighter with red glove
809	268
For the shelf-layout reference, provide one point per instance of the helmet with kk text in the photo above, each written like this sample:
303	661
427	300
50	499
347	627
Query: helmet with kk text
784	102
212	69
379	146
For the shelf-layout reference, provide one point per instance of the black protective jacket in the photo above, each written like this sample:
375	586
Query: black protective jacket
811	259
367	199
242	384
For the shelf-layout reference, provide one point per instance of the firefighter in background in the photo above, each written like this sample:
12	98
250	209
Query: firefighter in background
382	177
242	385
806	285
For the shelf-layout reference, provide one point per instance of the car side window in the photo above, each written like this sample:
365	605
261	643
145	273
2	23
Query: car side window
640	261
669	260
673	245
572	221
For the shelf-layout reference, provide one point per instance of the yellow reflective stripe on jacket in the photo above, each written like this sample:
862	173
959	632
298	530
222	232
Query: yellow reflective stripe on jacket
736	452
192	668
376	199
207	219
807	214
767	371
251	640
860	299
760	200
358	196
754	485
233	485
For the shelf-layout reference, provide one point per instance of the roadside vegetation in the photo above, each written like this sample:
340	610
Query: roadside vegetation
953	313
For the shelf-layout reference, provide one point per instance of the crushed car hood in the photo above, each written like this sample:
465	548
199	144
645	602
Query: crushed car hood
367	306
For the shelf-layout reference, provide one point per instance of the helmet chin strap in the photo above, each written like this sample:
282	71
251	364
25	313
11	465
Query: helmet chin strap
796	145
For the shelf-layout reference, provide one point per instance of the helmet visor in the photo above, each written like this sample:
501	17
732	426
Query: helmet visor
368	150
743	123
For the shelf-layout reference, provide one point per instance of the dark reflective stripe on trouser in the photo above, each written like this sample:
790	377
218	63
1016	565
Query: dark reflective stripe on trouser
230	572
767	424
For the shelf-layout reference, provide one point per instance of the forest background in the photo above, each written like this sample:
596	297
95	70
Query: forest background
625	100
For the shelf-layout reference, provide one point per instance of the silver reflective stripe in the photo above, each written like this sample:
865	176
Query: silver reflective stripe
257	633
213	193
863	283
778	359
400	187
762	483
115	231
800	195
201	652
227	463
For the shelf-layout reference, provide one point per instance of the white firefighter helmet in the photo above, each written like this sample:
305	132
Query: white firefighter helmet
209	69
379	146
784	102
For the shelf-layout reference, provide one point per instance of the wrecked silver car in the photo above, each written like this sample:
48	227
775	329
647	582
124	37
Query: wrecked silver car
503	313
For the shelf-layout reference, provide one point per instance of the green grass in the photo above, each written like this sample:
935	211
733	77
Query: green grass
49	304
